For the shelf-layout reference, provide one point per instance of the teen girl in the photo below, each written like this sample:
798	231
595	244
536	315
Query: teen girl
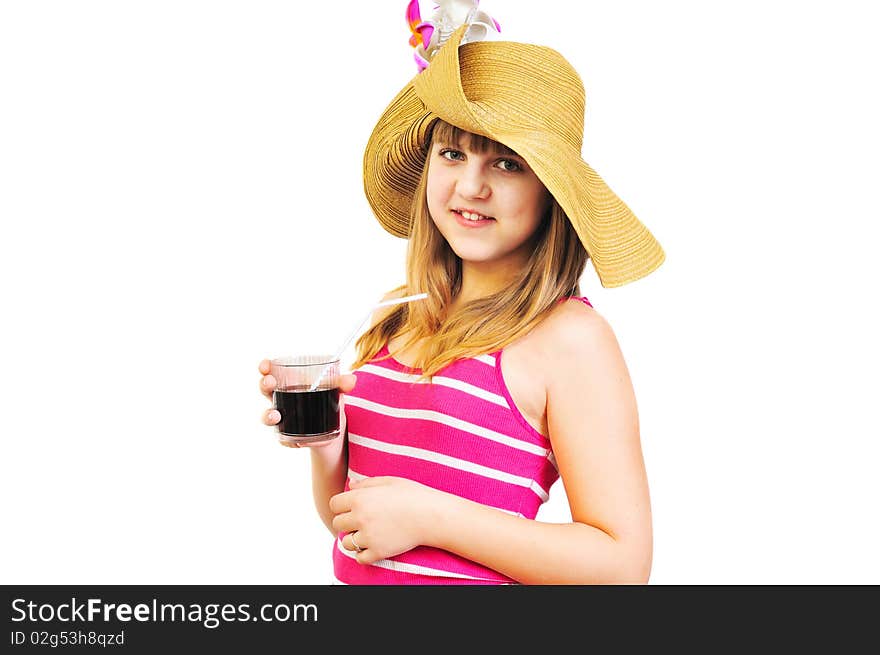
464	408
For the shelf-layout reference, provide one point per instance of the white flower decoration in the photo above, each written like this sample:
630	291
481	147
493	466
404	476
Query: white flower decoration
429	36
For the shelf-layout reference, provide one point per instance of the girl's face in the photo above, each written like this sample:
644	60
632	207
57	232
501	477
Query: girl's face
496	187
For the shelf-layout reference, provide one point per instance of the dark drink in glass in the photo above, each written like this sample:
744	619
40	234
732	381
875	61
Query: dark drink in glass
307	413
307	397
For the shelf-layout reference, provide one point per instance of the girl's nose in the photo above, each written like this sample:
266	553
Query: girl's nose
472	183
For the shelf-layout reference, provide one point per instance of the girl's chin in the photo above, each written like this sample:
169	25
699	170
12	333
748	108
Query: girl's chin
473	255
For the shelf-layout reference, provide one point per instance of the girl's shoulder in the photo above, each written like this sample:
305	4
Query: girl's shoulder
581	351
572	320
573	327
533	364
571	313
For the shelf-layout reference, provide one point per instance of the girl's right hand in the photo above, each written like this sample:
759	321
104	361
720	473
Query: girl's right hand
272	417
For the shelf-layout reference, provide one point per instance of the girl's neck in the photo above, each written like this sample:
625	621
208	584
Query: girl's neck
480	281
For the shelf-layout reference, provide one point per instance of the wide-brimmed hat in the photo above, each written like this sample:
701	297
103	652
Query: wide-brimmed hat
530	99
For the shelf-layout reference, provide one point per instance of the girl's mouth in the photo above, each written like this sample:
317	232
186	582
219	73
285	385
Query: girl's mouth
471	219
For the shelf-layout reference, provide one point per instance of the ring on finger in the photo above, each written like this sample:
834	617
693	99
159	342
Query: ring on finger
355	543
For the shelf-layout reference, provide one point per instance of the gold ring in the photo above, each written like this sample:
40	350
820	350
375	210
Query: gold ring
354	543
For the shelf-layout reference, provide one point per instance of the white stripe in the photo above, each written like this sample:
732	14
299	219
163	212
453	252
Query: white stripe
440	417
354	476
486	359
403	567
452	462
452	383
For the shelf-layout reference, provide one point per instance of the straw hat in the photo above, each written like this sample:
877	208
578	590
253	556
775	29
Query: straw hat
529	98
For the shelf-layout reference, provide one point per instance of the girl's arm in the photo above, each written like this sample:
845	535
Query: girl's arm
329	459
329	470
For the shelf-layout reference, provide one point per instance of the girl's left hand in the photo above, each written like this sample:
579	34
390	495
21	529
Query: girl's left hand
390	515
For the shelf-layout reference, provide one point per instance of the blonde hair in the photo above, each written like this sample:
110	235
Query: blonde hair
486	324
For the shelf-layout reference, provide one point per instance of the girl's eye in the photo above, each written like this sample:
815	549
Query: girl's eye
452	155
509	165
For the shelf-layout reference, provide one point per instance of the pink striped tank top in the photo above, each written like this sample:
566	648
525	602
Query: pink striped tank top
464	436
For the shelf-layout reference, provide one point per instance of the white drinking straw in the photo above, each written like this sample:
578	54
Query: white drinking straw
384	303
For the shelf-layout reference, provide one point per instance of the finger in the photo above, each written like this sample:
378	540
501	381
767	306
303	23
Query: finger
366	556
347	382
348	542
271	417
265	366
344	522
267	386
341	503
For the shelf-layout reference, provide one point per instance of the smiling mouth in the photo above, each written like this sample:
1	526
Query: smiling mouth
472	216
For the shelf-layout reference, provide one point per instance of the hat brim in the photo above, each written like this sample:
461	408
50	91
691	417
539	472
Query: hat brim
394	159
621	248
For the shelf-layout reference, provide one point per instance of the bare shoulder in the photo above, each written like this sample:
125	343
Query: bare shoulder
574	323
576	336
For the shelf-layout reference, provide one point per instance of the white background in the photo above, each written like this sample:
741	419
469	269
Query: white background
181	196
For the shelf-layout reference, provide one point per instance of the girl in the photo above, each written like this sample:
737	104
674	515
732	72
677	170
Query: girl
465	408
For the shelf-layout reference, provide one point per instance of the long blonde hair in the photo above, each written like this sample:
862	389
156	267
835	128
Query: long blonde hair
486	324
